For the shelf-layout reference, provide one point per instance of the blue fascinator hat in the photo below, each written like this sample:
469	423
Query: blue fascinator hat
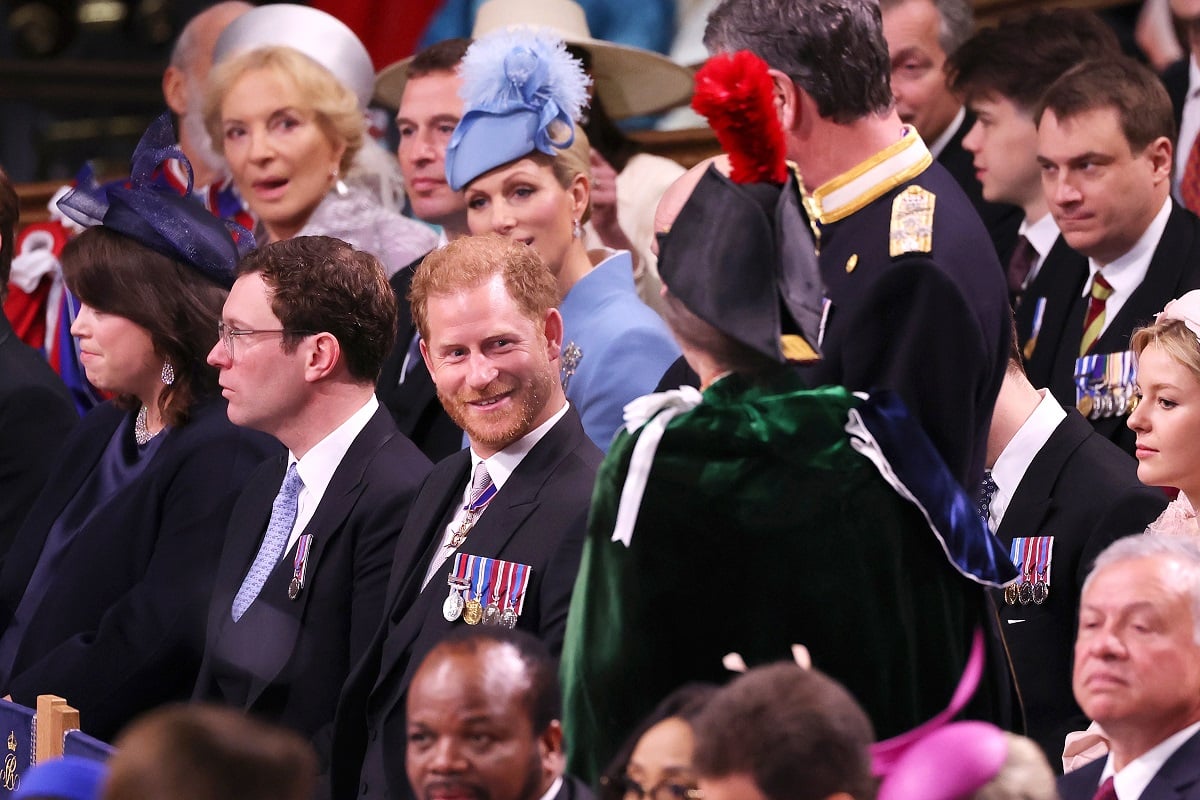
516	84
154	214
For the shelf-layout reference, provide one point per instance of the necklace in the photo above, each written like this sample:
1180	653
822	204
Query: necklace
141	433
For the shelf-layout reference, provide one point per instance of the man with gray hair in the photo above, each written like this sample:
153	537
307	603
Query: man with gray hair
921	35
183	87
1137	670
930	324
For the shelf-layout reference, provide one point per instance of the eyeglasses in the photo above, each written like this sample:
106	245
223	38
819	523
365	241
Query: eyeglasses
669	788
228	334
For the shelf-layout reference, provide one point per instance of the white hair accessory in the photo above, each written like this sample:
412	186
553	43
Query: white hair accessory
1186	309
320	36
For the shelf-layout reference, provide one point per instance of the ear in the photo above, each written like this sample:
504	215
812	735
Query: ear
553	328
787	99
323	354
339	150
581	194
174	89
1161	153
550	748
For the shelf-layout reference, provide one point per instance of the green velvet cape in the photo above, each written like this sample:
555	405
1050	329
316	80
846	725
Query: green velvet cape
761	527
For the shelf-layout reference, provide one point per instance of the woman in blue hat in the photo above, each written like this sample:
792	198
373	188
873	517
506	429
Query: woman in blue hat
103	596
523	165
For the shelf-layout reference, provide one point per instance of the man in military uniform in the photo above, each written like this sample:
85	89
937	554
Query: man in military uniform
915	296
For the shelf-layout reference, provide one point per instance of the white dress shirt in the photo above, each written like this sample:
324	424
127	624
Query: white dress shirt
939	144
500	467
1131	781
1126	273
1041	235
1013	462
318	465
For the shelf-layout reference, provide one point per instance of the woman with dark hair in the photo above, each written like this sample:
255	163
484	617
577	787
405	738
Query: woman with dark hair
104	593
655	762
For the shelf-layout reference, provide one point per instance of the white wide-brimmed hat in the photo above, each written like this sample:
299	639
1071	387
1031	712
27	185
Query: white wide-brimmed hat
320	36
629	81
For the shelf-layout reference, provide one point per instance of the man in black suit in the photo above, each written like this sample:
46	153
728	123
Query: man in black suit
36	413
921	35
500	524
1001	73
300	587
425	90
1104	143
1137	670
484	714
1063	493
915	295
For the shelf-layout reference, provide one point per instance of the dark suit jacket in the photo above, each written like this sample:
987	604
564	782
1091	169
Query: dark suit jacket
1174	270
933	327
1001	219
414	404
121	629
36	414
1175	78
539	518
1084	491
1177	779
285	660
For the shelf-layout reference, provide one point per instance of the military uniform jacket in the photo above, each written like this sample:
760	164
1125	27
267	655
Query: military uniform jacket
1084	492
760	527
916	299
1174	270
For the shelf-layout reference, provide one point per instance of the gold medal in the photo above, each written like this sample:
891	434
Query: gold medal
472	612
1085	405
1010	594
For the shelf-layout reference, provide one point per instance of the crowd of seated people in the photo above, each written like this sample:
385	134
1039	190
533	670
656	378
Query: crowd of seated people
478	490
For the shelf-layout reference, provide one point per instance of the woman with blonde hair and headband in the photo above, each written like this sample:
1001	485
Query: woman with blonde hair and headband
1167	417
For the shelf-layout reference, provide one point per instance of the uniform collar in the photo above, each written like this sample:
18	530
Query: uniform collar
859	186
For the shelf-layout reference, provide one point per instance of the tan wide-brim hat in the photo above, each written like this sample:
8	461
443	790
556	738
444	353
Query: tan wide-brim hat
629	81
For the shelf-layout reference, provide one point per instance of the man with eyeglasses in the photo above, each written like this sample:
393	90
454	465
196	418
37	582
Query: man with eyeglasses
300	588
483	715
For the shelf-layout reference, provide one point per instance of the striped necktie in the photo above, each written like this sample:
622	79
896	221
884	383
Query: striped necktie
1093	324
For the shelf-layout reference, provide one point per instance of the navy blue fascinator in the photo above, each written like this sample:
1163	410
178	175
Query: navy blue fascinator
156	215
516	84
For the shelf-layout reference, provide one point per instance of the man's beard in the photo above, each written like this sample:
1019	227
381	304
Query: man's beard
530	400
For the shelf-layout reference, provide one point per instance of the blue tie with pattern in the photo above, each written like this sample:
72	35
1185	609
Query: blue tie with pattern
279	529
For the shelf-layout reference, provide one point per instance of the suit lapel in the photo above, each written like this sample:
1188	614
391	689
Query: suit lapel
1060	282
1177	774
1162	282
1031	501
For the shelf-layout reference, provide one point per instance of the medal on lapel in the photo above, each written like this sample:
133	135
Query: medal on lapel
299	565
452	607
500	570
514	596
473	610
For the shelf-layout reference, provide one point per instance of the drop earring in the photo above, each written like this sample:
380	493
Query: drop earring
168	373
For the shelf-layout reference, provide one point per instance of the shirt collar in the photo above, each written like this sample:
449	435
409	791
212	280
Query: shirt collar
317	466
858	186
1126	272
553	790
1041	234
1013	462
503	464
1193	76
939	144
1137	774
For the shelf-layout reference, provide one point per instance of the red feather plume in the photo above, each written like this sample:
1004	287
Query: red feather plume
735	92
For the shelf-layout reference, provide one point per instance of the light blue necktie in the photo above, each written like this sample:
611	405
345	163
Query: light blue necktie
274	543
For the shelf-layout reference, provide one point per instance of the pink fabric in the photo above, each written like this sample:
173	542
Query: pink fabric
1084	747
